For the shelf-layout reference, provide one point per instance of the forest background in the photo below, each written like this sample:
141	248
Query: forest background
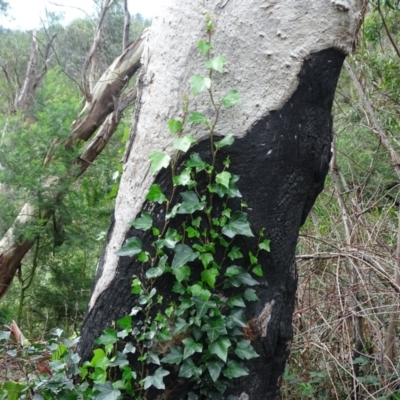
346	320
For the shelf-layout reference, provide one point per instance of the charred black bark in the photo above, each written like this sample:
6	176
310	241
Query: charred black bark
282	162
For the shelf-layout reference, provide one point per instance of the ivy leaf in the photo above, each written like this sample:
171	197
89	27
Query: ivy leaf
236	318
245	351
183	255
226	141
250	295
175	125
257	270
220	348
156	195
144	222
172	237
131	247
181	273
192	232
202	306
183	144
125	322
199	118
159	270
235	370
129	348
191	347
253	258
159	160
107	392
197	290
209	276
204	47
237	225
235	253
206	259
180	326
223	178
216	63
196	162
199	83
156	380
264	245
214	369
189	369
190	203
175	356
108	337
232	98
215	327
236	301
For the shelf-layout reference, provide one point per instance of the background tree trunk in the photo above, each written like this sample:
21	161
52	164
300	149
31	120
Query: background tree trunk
284	58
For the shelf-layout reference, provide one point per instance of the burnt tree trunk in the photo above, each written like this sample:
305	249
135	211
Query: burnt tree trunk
285	59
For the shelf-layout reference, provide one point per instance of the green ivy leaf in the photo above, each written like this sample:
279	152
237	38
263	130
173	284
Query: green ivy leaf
214	327
231	191
264	245
235	253
197	290
257	270
237	225
235	370
125	322
226	141
245	351
204	47
107	392
144	222
190	203
184	178
198	118
172	237
232	98
131	247
253	258
236	301
183	144
192	232
214	369
108	337
159	270
216	63
175	125
180	326
191	347
181	273
220	348
156	195
159	160
206	259
189	369
236	318
202	306
250	295
209	276
175	356
129	348
156	380
196	162
223	178
183	255
199	83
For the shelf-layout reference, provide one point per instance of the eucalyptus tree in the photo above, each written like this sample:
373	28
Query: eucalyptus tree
199	259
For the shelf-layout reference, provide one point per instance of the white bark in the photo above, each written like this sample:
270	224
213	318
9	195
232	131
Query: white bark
265	43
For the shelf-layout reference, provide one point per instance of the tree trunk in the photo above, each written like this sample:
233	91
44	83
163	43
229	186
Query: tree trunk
284	58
